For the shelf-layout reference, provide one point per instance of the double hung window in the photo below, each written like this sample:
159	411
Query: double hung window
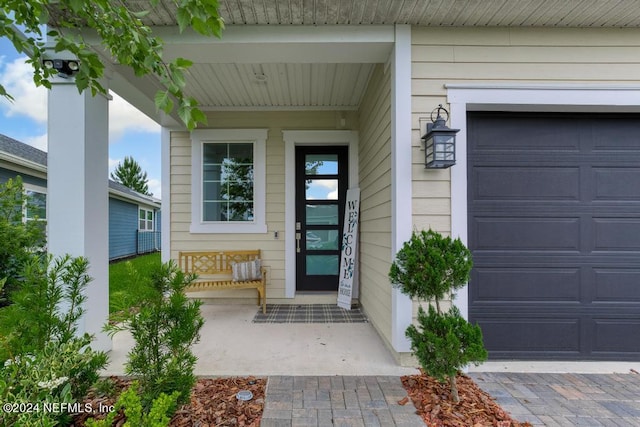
145	219
228	181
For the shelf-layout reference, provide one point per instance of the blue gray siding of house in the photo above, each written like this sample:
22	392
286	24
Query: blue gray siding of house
6	174
123	227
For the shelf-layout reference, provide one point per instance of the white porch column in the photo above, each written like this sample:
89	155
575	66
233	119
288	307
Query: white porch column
78	221
401	219
165	137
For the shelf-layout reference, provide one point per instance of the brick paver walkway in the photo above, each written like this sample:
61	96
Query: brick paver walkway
566	399
337	401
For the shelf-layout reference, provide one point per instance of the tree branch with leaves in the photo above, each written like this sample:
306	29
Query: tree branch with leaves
123	34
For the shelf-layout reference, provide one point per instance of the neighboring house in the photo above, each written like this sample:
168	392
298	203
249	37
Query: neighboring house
134	218
307	99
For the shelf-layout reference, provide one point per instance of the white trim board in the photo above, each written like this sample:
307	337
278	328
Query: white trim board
559	98
293	138
401	194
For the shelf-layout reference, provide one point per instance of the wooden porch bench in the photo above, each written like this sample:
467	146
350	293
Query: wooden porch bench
214	270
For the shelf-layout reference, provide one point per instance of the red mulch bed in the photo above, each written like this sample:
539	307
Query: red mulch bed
475	409
213	404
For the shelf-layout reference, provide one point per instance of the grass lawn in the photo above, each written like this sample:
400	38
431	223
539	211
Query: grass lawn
124	290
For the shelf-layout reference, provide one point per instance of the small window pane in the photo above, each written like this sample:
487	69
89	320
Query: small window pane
214	153
322	239
322	189
321	164
241	153
322	214
322	265
240	212
213	211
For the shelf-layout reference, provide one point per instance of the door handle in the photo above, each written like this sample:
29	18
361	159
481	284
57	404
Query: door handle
298	237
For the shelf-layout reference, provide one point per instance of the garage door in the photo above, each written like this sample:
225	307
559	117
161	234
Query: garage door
554	228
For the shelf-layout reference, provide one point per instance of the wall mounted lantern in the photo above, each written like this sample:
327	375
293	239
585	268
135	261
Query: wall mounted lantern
65	67
439	142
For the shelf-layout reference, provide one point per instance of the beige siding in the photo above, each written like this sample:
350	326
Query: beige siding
272	248
375	206
504	55
443	56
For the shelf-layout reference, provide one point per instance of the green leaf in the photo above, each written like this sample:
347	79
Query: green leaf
184	19
141	14
183	63
184	111
163	101
75	5
3	92
198	116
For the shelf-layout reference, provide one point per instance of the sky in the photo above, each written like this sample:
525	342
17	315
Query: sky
131	133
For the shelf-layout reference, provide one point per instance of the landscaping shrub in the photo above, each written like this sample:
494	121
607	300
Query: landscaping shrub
45	361
130	403
429	267
164	328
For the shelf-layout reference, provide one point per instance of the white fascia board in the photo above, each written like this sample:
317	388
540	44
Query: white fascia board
13	161
282	34
134	199
282	44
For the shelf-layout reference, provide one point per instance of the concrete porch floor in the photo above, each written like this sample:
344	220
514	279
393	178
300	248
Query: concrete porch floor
231	345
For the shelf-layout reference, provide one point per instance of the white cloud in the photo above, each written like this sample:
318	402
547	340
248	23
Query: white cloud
28	100
124	117
17	78
113	163
155	188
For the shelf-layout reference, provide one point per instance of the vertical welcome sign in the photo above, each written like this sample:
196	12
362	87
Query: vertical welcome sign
349	243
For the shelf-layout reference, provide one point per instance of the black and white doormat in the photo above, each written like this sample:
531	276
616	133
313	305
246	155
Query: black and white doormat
309	313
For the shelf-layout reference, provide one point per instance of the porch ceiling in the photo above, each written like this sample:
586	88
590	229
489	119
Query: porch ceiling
547	13
283	85
319	54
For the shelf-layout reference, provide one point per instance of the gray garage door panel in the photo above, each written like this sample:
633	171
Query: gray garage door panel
609	331
554	227
523	284
532	336
616	285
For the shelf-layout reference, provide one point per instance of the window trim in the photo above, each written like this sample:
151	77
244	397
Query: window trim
258	137
152	220
35	189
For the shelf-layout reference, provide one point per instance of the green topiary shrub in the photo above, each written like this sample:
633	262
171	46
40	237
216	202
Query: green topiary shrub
430	267
444	343
164	328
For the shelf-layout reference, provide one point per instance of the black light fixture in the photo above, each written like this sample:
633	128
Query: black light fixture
439	142
65	67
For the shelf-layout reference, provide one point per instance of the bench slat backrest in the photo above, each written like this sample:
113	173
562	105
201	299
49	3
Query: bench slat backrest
213	262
